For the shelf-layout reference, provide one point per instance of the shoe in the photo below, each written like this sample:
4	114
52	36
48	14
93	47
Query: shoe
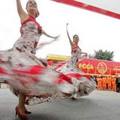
20	114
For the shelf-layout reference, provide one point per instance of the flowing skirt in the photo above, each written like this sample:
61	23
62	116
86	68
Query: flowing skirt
26	74
84	84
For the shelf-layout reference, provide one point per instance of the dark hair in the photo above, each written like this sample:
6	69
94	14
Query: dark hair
75	36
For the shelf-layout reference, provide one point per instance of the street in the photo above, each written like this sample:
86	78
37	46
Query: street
99	105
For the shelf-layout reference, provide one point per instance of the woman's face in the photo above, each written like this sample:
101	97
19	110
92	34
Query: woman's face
75	39
31	7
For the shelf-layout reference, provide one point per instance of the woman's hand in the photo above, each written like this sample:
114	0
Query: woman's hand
46	43
67	24
56	37
53	37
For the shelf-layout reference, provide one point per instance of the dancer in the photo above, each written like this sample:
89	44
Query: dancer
24	49
70	68
27	43
76	52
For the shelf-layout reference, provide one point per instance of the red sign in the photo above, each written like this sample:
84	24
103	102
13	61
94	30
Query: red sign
100	67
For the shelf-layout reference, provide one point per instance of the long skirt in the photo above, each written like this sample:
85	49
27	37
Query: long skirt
83	82
25	74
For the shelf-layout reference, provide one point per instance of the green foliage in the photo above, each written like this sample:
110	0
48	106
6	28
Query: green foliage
104	55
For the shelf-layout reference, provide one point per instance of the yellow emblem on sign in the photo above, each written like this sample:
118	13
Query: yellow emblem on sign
102	68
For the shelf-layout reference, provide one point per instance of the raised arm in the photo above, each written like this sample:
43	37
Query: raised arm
68	35
84	54
46	34
44	43
22	14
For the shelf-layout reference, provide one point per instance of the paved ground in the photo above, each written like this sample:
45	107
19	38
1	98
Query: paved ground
97	106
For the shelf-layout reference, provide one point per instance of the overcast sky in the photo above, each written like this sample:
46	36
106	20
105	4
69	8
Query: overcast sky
96	31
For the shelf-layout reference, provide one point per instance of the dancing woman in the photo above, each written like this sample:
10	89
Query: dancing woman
24	49
83	84
27	43
76	52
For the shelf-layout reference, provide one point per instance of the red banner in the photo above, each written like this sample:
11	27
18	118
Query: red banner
99	67
80	4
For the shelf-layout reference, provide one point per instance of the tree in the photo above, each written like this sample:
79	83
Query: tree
104	55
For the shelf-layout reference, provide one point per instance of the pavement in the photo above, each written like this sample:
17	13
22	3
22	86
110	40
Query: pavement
99	105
